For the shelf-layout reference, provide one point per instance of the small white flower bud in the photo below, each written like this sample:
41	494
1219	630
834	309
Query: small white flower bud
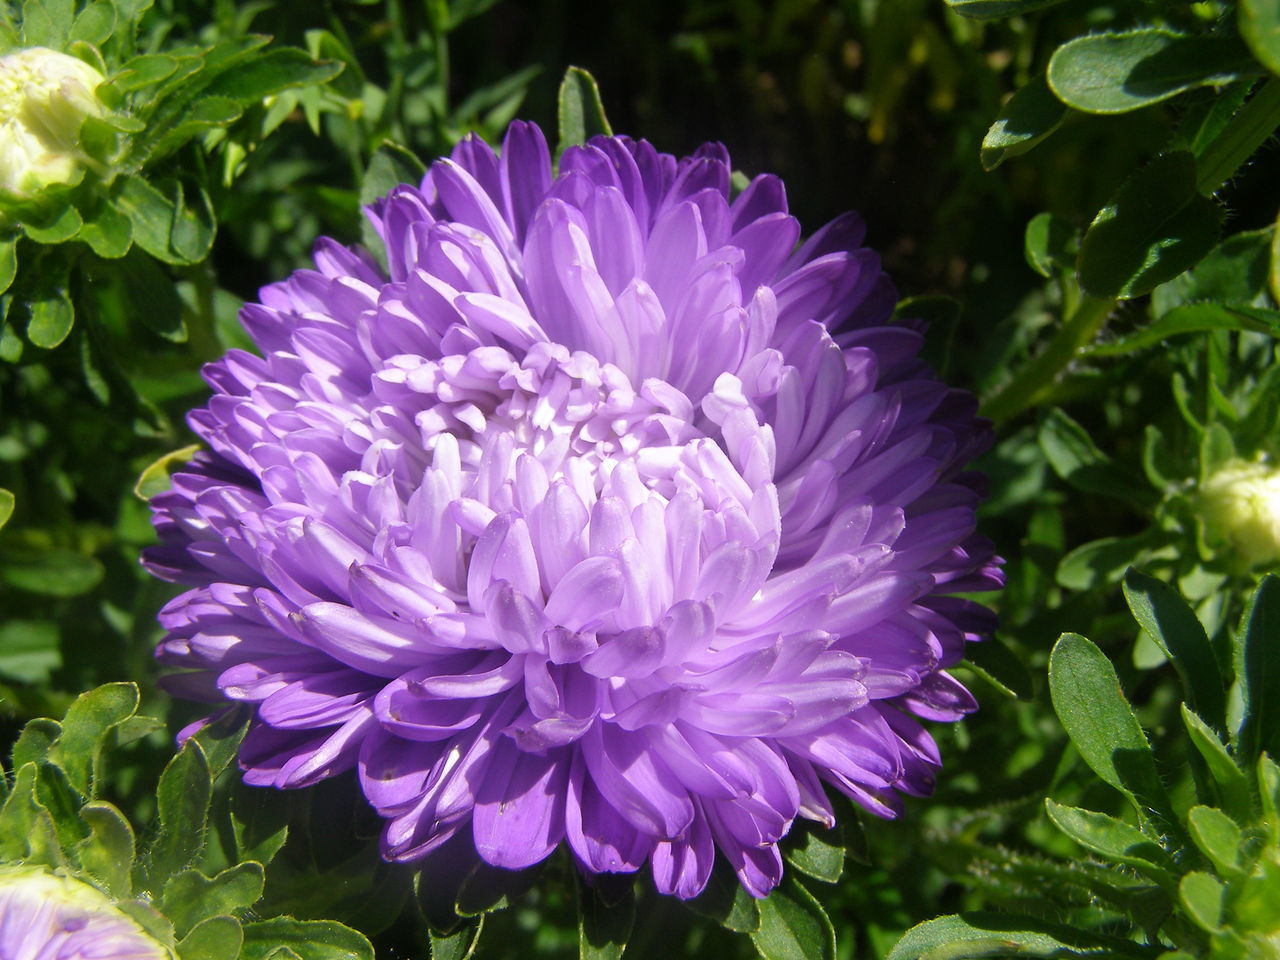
1240	507
45	97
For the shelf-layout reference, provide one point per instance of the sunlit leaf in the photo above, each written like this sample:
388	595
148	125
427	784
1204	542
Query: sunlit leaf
793	926
994	9
1173	625
1118	72
1096	714
1259	22
1031	114
309	939
1156	226
984	934
580	110
1111	838
1201	896
1218	837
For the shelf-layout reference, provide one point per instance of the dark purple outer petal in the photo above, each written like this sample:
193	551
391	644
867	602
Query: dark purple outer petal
613	515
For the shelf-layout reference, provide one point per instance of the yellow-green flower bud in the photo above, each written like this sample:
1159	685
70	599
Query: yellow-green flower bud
44	916
1240	507
45	97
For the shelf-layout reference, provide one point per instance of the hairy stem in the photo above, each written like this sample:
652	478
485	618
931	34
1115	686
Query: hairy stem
1036	379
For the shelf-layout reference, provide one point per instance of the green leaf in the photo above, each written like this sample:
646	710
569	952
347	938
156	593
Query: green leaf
1273	269
1118	72
221	740
1076	458
6	506
85	727
155	478
191	233
191	897
818	851
390	166
204	114
459	945
1111	838
1201	896
57	225
793	926
107	853
1001	667
218	938
95	23
260	822
725	902
45	22
1031	114
152	215
149	919
1269	793
983	934
1234	274
1173	625
580	110
1258	672
107	231
1050	245
151	296
309	939
182	804
1193	318
1156	226
1104	561
1218	837
1231	780
60	798
603	928
994	9
1259	24
29	650
26	828
51	573
143	71
35	741
48	301
1097	717
270	73
8	263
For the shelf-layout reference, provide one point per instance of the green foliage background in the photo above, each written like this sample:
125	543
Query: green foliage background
1124	358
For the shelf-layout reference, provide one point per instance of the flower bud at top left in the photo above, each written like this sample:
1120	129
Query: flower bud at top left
45	97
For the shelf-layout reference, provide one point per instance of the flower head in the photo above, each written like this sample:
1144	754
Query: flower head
610	515
44	916
1239	504
45	97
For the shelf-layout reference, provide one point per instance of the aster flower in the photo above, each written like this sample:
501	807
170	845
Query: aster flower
44	916
610	514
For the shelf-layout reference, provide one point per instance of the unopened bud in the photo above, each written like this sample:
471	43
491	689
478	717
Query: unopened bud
45	97
1240	507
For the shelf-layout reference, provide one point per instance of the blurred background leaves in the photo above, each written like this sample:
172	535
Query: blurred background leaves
1081	198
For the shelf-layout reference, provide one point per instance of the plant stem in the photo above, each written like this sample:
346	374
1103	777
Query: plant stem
1247	131
1036	379
1032	384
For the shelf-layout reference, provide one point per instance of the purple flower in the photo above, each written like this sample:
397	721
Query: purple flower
44	916
610	514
